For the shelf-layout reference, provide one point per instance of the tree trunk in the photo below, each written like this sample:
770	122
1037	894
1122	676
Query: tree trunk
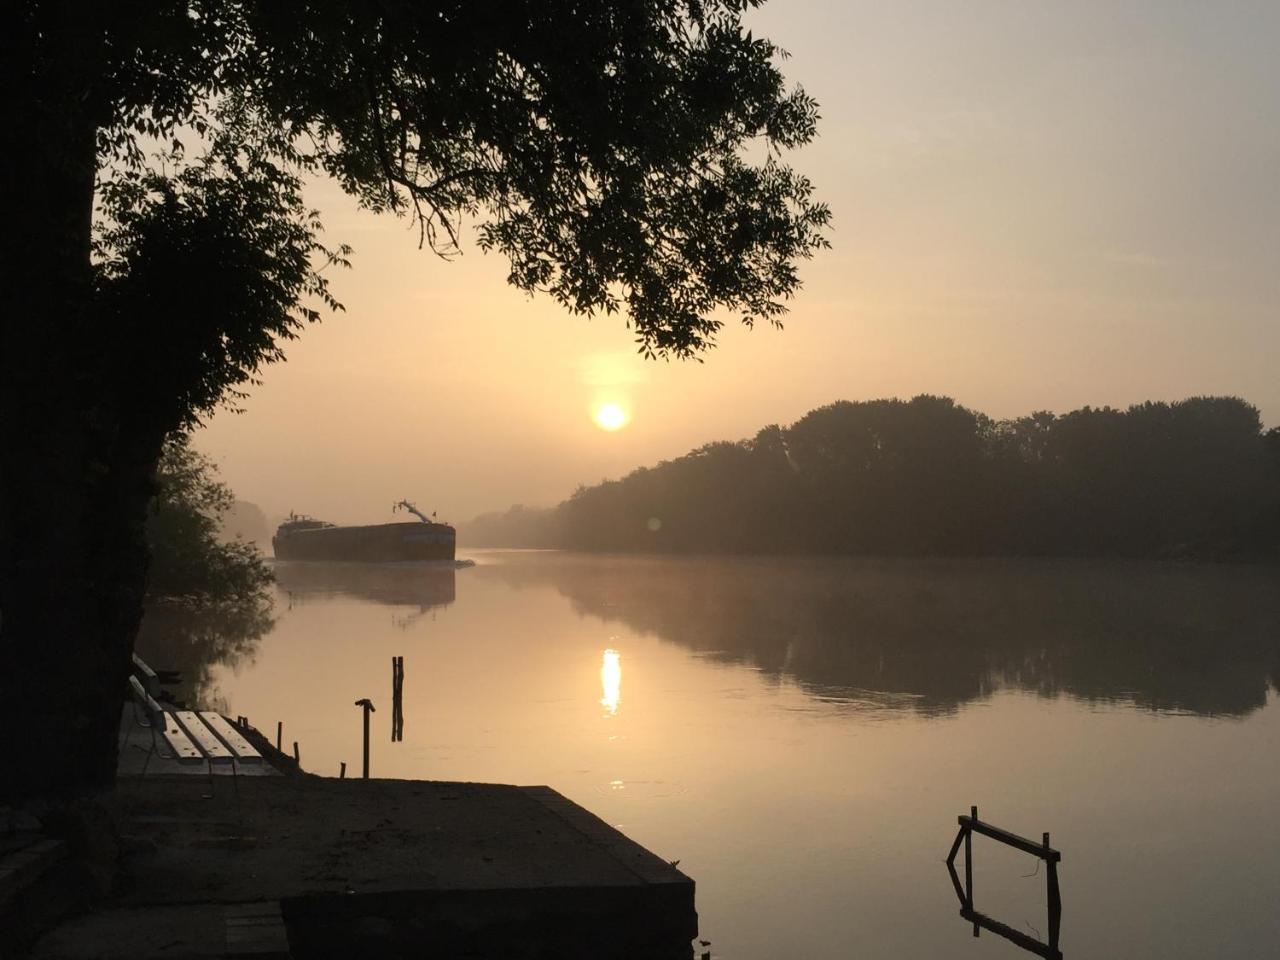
71	586
74	479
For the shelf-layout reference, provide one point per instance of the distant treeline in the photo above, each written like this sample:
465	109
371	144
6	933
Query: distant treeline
1197	478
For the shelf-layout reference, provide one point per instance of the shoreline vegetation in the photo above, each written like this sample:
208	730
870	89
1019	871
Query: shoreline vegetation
1195	479
209	594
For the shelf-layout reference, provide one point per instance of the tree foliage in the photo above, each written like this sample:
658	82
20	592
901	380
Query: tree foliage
190	563
209	600
202	274
1198	478
601	148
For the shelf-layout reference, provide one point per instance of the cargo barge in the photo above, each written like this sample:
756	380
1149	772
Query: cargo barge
305	538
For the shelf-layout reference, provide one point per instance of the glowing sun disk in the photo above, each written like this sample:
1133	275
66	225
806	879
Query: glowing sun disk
610	416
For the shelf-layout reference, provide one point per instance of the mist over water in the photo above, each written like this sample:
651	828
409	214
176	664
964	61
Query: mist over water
802	733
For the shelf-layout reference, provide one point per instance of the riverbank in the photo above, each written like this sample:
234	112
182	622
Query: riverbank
301	866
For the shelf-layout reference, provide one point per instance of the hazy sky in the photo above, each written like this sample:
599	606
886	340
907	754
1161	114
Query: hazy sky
1038	205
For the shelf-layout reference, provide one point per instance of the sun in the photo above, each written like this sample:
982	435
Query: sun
610	416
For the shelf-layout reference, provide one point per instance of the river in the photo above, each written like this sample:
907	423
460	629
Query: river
802	734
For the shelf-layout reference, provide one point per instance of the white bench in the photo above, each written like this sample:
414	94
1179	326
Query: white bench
192	738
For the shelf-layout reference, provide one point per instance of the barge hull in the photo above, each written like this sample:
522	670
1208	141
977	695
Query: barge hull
382	543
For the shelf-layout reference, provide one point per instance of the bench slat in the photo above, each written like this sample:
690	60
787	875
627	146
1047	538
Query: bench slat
203	737
184	751
237	744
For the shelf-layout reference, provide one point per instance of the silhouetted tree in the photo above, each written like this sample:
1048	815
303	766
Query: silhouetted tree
1197	478
598	146
208	599
190	563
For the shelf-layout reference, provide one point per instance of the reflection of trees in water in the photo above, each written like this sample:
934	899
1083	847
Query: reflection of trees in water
936	634
420	585
192	640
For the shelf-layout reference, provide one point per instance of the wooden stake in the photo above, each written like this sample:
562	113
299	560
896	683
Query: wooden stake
968	863
1055	898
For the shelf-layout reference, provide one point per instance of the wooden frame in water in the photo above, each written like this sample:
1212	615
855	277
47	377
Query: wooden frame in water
968	827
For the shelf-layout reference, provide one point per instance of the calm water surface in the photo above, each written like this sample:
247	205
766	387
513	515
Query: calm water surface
801	735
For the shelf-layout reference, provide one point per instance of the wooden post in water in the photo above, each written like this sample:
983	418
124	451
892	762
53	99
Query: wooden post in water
1055	898
367	704
342	771
397	722
395	698
968	864
279	734
297	758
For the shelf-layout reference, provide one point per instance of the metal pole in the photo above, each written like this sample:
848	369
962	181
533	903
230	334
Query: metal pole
367	704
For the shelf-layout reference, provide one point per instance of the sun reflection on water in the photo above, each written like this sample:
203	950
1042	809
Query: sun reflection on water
611	681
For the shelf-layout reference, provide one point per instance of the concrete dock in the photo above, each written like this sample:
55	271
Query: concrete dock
305	866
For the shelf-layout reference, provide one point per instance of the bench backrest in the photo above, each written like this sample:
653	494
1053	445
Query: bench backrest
145	701
147	676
